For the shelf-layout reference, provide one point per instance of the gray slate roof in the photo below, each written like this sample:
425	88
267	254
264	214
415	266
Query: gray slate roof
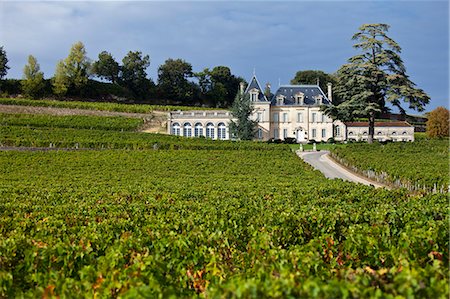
310	92
255	84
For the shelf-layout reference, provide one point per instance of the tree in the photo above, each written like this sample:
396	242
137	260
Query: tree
218	86
72	73
106	67
244	128
3	64
312	76
173	80
438	123
374	77
134	74
60	81
33	79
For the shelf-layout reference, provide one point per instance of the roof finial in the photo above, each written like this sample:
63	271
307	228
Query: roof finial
279	82
254	71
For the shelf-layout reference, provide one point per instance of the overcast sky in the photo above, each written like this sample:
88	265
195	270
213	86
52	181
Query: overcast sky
275	38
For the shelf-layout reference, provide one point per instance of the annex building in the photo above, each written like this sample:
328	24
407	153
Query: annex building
292	112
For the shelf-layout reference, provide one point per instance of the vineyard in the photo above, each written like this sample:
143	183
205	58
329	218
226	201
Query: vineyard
418	166
116	107
195	217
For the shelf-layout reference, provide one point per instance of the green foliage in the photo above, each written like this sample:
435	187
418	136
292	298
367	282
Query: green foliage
374	77
245	224
218	86
33	83
242	126
419	165
212	219
70	121
134	74
116	107
72	73
3	63
173	80
106	67
438	123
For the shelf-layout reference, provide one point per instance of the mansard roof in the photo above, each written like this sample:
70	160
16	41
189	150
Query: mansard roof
254	83
310	93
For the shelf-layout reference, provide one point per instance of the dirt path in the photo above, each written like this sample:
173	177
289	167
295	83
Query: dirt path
154	122
331	169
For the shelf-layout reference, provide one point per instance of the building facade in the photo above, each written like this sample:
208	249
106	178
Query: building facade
292	112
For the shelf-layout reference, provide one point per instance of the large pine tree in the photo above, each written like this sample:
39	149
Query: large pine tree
376	76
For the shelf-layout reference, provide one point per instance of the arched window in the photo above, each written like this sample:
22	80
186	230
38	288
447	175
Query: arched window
221	131
176	129
365	133
187	130
394	133
379	133
198	130
210	131
350	133
404	133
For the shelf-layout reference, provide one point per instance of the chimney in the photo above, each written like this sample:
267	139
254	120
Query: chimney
330	95
242	87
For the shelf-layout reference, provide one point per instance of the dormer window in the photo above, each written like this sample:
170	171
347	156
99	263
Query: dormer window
319	100
299	98
254	93
280	99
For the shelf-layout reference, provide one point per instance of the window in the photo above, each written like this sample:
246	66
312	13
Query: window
187	130
210	131
254	97
176	129
275	134
314	117
323	117
404	133
275	117
394	133
338	131
260	134
198	130
259	116
299	117
350	133
364	133
379	133
314	133
285	117
221	131
324	133
285	134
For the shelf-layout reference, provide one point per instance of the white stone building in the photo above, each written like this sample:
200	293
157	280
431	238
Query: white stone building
292	112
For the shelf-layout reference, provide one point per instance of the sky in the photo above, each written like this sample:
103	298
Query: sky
273	38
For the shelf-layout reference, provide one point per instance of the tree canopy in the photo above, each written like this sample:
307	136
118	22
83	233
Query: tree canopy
72	73
374	77
3	63
33	79
173	80
134	74
312	76
106	67
438	123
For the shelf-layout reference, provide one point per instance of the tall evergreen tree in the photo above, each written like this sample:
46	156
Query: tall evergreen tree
243	128
3	64
374	77
106	67
33	79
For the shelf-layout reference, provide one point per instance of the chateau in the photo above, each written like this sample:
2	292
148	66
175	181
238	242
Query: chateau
292	112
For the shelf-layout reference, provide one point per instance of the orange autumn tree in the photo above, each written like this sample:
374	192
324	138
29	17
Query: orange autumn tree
438	123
